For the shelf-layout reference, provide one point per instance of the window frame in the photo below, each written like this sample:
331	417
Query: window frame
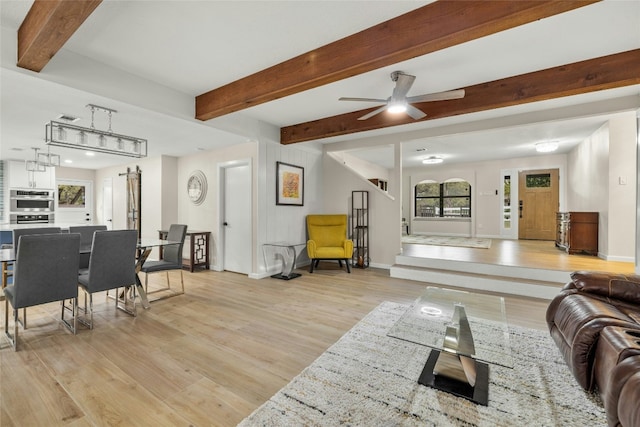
441	197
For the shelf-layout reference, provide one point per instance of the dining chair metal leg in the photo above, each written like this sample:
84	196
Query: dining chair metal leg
166	288
74	312
126	298
87	311
13	339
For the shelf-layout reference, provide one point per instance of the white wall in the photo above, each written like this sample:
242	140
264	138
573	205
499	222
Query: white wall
485	179
384	208
205	217
602	179
622	188
364	168
270	223
278	223
158	209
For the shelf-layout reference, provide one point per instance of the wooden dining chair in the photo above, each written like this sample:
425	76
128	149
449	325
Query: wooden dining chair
171	260
111	266
45	270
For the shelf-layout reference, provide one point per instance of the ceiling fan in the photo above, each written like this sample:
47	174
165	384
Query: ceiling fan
399	102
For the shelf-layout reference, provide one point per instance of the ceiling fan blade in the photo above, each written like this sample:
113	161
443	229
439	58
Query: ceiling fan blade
415	113
439	96
373	113
362	99
403	84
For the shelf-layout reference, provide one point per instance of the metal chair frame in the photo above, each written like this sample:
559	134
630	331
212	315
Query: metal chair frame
177	232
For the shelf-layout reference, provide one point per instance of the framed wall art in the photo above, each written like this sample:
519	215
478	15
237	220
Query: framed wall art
289	184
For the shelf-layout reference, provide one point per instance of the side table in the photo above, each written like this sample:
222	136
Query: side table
288	253
198	248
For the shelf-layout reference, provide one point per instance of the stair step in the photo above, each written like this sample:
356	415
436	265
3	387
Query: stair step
485	277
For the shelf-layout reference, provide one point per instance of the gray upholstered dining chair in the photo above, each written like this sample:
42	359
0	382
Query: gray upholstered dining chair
16	233
27	231
111	266
171	260
45	270
86	239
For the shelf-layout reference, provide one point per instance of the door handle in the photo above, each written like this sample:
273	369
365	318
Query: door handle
520	208
226	224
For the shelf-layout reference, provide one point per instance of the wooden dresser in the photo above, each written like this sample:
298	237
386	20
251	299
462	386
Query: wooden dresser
577	232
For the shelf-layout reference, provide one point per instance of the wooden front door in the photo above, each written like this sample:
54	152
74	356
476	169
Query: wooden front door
538	204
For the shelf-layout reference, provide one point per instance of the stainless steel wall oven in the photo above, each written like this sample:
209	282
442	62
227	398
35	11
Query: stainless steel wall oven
31	201
31	206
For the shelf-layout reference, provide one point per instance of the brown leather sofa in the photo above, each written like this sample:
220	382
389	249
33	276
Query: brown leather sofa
595	322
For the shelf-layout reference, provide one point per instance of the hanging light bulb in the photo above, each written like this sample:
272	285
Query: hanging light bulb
102	141
82	138
62	134
136	147
120	144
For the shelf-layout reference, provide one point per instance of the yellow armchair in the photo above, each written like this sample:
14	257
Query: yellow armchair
328	240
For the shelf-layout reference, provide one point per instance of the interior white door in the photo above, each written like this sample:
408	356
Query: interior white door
236	216
107	203
74	204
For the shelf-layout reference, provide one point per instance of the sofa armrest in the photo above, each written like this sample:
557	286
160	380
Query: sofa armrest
348	248
311	249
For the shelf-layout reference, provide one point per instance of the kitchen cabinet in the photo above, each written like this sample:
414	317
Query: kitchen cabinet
577	232
18	177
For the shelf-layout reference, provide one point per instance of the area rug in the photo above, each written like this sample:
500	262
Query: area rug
464	242
370	379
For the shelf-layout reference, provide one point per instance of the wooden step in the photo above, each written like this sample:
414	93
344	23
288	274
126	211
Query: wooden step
504	279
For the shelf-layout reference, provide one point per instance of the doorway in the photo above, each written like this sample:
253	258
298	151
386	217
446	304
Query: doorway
107	203
538	203
235	215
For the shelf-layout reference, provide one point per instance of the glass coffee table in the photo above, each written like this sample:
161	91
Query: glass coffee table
467	331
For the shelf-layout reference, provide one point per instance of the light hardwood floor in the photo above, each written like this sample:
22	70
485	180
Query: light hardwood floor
520	253
209	357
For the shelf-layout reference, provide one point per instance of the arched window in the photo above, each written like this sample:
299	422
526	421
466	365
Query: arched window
449	199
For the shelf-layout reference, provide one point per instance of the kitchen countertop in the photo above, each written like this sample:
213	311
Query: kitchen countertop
64	226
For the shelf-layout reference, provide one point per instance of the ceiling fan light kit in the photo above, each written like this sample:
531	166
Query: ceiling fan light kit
399	102
432	160
91	139
397	107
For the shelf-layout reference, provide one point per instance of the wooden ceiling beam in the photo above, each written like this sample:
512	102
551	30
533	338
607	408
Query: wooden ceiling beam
607	72
433	27
47	27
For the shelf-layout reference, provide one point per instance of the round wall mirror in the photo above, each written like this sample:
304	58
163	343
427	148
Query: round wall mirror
197	187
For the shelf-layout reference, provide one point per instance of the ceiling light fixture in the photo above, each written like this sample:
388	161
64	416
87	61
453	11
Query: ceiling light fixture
546	146
432	160
92	139
40	163
396	107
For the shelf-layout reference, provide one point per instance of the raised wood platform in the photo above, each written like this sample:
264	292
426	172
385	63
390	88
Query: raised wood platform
529	268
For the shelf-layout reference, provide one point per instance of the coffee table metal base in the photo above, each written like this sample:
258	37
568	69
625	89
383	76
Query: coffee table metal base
286	277
478	394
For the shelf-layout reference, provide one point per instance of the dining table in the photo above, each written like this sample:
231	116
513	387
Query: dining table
144	247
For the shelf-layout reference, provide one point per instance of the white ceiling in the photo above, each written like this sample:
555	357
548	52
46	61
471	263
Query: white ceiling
175	50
